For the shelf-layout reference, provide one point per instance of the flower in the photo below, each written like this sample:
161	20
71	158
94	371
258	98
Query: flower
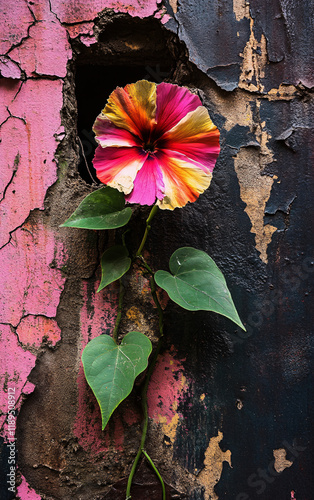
156	142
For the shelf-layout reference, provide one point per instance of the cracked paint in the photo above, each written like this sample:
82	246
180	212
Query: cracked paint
213	462
45	52
28	283
281	463
29	132
15	24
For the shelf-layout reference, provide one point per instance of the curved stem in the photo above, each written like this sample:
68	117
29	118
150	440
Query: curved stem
157	474
119	313
144	396
153	211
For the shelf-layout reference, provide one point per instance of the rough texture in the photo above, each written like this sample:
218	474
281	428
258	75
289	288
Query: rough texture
230	412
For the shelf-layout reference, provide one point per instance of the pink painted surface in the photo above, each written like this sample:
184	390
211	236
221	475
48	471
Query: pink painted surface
9	69
28	284
27	151
45	52
166	388
25	492
16	364
80	29
97	317
34	330
75	11
14	23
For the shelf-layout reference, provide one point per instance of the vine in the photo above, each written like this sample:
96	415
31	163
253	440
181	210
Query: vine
157	146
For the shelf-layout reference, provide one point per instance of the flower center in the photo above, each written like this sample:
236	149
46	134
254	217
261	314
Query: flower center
149	147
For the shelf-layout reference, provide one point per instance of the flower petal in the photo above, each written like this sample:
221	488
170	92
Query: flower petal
184	179
196	137
133	108
117	167
148	184
173	103
107	134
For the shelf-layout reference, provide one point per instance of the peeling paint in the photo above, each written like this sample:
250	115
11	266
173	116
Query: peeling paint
88	10
32	331
241	9
213	462
255	191
255	188
168	384
254	61
281	462
174	5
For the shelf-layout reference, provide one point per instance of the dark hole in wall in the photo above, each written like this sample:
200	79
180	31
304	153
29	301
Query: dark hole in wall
128	50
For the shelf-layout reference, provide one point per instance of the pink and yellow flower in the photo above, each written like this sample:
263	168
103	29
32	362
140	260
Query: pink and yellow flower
157	143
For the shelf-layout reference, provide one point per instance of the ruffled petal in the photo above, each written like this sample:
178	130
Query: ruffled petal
148	184
133	108
117	167
196	137
184	179
107	134
173	103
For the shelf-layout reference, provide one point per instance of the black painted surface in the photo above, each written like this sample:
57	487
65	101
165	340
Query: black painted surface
268	370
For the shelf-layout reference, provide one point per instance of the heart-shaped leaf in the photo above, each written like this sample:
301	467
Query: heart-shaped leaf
115	262
102	209
111	369
196	283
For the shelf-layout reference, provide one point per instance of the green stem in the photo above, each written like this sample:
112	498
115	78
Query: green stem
144	395
148	221
157	474
119	313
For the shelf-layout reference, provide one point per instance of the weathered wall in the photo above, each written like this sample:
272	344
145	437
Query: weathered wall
231	414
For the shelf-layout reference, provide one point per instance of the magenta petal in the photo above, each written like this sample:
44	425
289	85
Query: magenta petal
117	167
148	184
107	134
173	103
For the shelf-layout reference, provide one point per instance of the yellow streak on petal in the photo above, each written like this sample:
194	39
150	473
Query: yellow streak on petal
134	107
194	125
183	182
144	93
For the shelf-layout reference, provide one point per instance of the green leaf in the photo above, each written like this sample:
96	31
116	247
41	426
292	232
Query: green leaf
196	283
115	262
111	369
102	209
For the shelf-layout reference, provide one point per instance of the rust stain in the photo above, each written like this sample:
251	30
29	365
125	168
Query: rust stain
214	458
281	463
